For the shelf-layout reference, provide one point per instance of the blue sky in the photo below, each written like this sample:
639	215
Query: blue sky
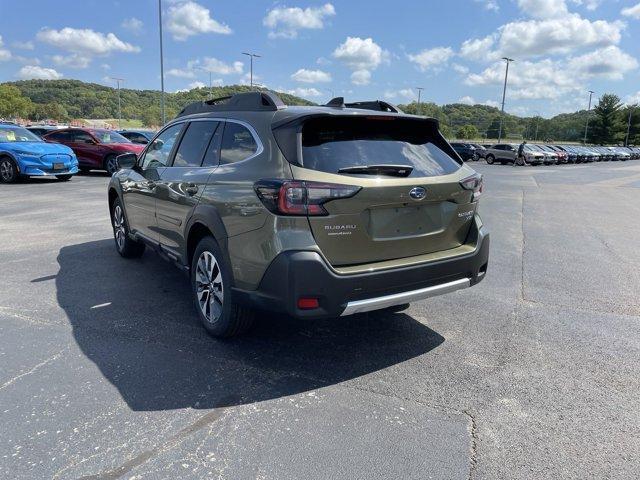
361	49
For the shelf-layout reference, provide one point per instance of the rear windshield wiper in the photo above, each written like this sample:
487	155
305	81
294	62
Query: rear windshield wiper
388	170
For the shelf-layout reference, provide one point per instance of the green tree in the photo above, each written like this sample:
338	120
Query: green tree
632	122
50	111
12	103
468	132
605	121
494	129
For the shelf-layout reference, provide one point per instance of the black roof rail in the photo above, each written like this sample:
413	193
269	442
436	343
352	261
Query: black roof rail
376	105
240	102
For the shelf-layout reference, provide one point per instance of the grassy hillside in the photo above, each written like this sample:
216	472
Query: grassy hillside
73	99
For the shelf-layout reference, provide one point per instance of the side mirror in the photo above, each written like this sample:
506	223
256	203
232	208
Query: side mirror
127	160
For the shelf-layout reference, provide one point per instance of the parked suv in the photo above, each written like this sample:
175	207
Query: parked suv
315	212
502	152
95	148
465	150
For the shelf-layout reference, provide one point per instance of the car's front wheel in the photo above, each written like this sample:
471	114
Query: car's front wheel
490	159
211	283
126	246
8	171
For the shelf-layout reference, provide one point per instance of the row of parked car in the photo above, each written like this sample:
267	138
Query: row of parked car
547	154
46	150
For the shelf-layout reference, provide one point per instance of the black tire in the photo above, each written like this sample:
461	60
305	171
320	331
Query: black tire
490	159
126	246
8	170
85	170
226	318
64	178
110	164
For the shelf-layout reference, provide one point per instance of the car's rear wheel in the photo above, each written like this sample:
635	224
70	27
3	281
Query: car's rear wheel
490	159
8	171
64	178
126	246
110	164
211	283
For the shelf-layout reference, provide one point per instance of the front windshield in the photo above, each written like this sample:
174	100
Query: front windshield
107	136
529	148
17	134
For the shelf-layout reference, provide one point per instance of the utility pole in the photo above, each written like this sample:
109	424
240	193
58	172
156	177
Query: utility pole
504	94
251	56
586	127
161	64
118	80
626	139
419	98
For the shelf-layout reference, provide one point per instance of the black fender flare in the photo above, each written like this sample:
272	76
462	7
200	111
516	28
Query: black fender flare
209	216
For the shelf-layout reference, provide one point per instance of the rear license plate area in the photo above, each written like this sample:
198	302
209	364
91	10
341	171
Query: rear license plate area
404	221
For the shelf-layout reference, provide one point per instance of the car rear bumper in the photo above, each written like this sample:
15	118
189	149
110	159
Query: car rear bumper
305	274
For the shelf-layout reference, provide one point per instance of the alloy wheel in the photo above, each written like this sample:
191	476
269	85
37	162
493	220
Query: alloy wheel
6	170
118	227
209	286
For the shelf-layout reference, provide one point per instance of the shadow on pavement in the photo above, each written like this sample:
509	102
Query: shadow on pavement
135	320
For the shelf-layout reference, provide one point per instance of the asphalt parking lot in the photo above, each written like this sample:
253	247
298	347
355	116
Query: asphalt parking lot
535	373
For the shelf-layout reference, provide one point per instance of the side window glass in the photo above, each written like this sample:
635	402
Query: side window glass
237	143
157	154
82	137
194	143
212	155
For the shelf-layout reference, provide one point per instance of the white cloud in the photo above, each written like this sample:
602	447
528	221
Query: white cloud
285	22
105	67
323	61
4	53
633	99
490	5
196	84
29	72
461	69
588	4
405	93
257	80
633	12
311	76
23	45
361	77
74	60
186	19
610	63
431	59
305	92
214	65
360	54
85	41
543	8
467	100
134	25
491	103
180	73
478	48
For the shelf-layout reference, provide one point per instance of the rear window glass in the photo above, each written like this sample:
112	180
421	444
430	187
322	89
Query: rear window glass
332	144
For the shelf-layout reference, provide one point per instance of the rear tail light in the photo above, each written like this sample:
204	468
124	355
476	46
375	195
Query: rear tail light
473	183
294	197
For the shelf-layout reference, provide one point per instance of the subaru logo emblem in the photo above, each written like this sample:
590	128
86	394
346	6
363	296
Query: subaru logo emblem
418	193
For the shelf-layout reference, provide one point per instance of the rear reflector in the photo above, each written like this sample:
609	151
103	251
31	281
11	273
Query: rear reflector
308	303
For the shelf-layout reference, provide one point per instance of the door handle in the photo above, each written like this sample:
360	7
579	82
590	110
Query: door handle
191	189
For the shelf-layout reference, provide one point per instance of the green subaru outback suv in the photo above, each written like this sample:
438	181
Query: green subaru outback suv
314	212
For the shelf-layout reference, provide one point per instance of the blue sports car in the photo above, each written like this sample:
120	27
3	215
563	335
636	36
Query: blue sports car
23	154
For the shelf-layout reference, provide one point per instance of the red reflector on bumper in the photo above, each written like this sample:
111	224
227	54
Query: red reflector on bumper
308	303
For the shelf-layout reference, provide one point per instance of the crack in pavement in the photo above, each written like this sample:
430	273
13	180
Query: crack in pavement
473	456
34	369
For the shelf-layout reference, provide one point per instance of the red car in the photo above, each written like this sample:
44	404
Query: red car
95	148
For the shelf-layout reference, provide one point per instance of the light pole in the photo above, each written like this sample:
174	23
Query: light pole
161	64
210	80
251	56
118	80
626	138
586	126
504	94
419	98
